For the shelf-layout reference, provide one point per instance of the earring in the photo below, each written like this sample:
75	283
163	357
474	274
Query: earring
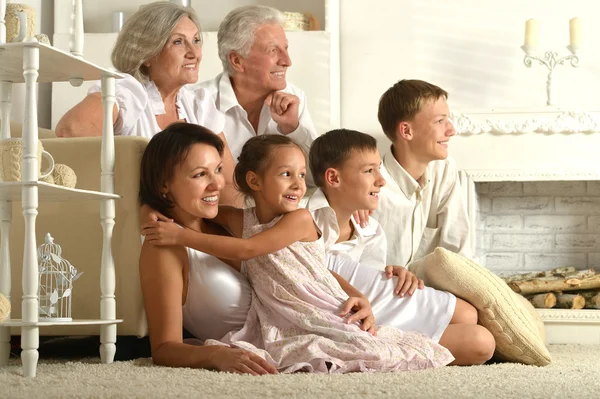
164	195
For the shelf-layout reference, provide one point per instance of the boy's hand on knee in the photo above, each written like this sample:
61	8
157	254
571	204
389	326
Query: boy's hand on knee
148	214
362	217
407	281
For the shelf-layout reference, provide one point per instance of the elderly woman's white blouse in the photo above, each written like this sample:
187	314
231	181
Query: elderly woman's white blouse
139	103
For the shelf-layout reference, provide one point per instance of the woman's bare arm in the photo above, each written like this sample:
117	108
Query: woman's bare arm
161	274
84	119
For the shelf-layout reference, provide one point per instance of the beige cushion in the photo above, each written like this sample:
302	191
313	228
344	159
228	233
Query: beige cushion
16	131
512	320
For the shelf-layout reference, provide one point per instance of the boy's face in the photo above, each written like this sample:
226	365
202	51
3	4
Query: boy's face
360	180
430	131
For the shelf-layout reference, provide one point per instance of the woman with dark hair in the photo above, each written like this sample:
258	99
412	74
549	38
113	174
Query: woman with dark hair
181	177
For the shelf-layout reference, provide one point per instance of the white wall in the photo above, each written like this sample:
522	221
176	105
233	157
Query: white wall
471	48
97	14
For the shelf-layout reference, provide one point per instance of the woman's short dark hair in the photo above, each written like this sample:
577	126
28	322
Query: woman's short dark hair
166	151
334	148
255	157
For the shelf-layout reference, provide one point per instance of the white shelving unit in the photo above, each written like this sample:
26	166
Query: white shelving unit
30	62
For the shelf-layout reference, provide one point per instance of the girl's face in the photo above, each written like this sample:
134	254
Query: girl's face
195	186
282	184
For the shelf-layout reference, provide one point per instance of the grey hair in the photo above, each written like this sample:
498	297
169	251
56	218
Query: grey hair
145	34
236	32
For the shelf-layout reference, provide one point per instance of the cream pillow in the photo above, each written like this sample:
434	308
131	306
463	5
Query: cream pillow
512	320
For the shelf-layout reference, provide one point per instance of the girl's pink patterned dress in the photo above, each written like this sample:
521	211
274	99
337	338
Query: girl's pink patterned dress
294	320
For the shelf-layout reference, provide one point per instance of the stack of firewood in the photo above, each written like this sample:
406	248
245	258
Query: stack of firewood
563	287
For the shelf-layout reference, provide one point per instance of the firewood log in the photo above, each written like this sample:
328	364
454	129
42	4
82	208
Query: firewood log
570	301
543	301
547	275
592	299
573	283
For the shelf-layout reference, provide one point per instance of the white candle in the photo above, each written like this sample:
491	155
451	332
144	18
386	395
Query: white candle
575	31
531	32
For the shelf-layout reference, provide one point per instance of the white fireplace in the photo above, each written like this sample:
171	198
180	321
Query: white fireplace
531	178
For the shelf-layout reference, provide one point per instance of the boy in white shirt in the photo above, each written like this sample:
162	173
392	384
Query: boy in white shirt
421	207
345	166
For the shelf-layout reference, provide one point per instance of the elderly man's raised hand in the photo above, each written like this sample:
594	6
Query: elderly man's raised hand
284	110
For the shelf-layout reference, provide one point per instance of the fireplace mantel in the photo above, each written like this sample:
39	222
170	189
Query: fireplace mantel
533	144
547	120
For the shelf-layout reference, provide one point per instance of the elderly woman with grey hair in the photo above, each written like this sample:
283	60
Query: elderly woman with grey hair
159	51
253	92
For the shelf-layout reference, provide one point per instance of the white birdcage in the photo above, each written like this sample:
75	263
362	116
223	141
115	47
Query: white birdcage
56	282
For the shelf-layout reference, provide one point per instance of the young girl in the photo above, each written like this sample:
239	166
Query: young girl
297	319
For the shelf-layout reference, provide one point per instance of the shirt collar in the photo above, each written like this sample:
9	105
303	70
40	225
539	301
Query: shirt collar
402	178
319	201
157	104
227	97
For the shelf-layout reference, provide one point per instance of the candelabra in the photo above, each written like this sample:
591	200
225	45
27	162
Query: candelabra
550	61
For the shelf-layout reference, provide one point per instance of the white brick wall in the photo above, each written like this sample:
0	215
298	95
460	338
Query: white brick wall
530	226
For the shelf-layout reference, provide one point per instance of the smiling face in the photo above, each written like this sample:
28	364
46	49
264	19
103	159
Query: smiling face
359	181
266	65
431	131
196	183
178	62
282	184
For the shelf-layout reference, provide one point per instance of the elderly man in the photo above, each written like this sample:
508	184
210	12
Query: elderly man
252	92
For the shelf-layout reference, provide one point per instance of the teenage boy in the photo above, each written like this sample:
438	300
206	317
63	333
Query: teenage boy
421	207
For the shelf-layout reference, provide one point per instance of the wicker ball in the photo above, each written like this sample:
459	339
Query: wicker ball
4	307
48	179
64	176
43	38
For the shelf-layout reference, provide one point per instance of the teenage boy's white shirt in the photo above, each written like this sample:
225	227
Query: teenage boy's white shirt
238	129
419	216
367	246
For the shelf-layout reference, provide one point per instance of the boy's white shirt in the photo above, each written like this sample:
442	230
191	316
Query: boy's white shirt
367	246
419	216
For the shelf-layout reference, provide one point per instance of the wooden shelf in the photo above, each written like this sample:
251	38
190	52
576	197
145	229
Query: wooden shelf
58	66
74	322
11	191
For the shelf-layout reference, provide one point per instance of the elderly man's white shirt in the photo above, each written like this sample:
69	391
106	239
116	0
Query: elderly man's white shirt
419	216
238	129
139	103
367	246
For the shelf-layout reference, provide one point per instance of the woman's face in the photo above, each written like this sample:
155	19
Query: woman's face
196	184
178	62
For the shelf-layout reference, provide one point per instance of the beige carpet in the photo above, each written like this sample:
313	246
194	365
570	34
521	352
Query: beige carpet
574	373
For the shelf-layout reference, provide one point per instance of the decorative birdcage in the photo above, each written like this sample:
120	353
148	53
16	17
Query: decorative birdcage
56	276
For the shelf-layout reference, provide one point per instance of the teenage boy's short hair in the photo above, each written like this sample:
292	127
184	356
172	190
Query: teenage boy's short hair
402	101
334	148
